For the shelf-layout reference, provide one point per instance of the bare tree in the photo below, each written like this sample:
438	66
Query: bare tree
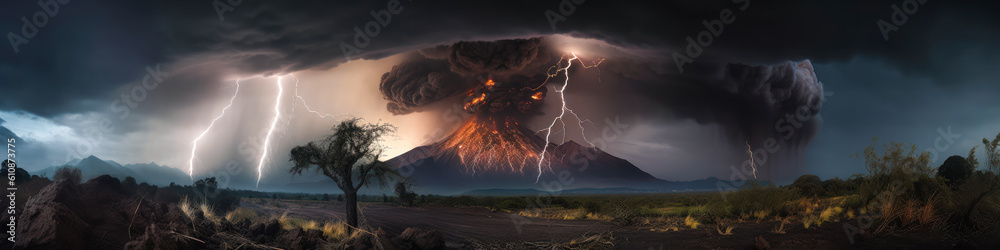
350	157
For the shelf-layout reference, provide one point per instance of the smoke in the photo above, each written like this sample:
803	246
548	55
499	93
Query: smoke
413	84
784	101
443	71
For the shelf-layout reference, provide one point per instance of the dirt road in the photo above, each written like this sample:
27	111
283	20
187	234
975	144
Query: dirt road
463	225
457	224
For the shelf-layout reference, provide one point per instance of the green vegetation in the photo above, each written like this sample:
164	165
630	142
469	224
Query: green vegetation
901	191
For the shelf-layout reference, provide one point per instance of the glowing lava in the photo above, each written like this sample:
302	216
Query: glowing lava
485	144
194	144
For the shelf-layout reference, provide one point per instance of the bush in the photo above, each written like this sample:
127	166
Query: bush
808	185
837	187
592	207
129	183
955	170
753	201
68	173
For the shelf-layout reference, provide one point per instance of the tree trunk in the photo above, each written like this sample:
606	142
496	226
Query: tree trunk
351	202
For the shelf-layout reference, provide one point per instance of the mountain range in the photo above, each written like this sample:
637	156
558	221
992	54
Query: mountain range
92	166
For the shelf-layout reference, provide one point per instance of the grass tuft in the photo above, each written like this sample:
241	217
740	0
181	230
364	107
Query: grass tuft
241	214
691	222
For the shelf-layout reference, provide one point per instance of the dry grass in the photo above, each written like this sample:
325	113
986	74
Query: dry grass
240	214
724	227
780	228
829	214
904	215
691	222
336	231
208	211
185	205
563	214
289	223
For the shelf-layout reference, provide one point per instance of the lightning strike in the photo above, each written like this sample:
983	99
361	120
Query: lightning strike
564	109
303	100
267	139
751	161
194	144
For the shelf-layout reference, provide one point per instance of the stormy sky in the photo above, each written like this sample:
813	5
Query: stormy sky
72	81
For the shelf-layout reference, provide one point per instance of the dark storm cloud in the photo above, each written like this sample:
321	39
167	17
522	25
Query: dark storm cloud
502	57
90	49
91	53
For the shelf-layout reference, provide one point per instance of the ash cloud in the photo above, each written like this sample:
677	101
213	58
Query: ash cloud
436	73
413	84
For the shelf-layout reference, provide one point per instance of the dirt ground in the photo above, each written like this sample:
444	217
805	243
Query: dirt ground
461	225
457	224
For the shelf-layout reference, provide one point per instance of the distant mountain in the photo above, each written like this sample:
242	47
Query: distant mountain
532	192
73	162
92	166
159	175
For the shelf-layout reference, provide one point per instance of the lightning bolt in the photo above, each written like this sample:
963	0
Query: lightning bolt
299	97
751	160
267	139
195	142
564	109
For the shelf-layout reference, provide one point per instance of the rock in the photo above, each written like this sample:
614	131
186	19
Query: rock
49	223
265	231
760	243
418	238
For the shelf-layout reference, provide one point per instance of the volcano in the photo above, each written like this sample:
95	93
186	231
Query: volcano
573	166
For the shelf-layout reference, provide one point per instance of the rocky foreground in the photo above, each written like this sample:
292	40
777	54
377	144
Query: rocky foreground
104	214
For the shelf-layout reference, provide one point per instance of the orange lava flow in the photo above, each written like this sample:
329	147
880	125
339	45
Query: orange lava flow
537	96
485	145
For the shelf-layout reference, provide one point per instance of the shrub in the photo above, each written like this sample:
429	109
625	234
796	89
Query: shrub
592	207
755	200
955	170
68	173
837	187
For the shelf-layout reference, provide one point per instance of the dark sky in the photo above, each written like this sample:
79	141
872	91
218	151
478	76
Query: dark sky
936	71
